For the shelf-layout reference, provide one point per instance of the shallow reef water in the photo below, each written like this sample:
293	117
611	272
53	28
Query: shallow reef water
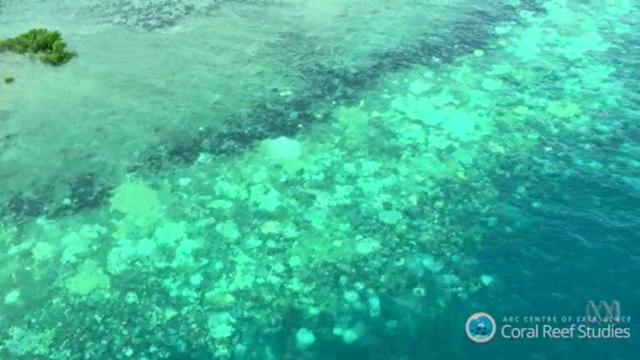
288	180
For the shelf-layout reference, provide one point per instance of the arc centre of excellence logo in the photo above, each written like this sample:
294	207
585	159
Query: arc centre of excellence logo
602	320
480	327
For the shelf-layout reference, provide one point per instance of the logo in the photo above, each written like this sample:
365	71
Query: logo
593	312
480	327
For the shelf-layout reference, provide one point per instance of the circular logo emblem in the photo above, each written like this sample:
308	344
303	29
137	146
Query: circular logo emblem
480	327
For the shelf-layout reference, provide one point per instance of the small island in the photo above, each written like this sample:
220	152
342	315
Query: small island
43	44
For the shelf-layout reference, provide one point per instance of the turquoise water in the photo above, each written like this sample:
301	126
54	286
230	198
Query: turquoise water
331	181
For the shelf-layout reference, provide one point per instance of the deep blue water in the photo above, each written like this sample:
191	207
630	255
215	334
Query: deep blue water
580	246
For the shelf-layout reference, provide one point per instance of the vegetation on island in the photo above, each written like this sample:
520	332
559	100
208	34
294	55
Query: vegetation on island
44	44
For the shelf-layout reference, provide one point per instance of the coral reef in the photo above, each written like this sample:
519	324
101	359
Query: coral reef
146	15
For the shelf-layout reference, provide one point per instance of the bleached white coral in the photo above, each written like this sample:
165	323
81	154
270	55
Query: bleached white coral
42	251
